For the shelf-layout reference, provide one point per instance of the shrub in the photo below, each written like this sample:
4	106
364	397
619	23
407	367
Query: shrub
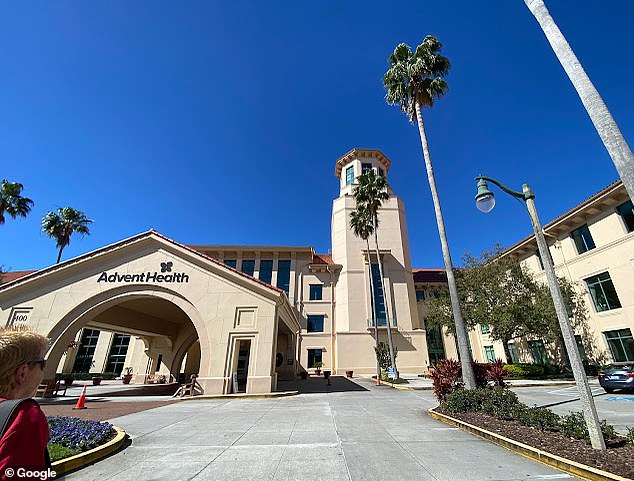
78	434
501	403
574	425
551	369
523	371
446	378
382	352
540	418
496	372
464	400
480	372
630	435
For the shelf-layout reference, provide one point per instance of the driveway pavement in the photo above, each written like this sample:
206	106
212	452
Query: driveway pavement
371	433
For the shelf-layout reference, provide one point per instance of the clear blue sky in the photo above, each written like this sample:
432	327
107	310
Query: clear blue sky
207	121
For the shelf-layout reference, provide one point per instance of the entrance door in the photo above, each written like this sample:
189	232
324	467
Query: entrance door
243	365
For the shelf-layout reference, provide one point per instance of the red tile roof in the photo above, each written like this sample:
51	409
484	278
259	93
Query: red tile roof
13	275
429	275
323	259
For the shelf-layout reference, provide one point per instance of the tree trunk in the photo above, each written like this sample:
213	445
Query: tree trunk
373	312
461	333
387	312
59	256
507	351
608	130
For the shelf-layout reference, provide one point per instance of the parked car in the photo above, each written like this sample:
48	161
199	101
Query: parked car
619	375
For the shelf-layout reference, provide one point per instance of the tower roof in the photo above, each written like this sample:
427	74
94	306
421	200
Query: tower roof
361	153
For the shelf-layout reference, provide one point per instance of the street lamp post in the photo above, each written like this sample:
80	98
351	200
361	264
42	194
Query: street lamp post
485	201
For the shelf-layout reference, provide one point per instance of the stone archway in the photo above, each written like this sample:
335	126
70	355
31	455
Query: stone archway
107	302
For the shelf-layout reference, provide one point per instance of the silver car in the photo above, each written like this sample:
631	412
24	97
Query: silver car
619	375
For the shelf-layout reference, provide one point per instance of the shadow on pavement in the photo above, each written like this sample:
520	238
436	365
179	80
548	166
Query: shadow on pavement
316	384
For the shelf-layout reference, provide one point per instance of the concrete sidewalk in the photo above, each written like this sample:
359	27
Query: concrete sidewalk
371	433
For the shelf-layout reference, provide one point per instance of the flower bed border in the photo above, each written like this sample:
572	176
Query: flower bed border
544	457
64	466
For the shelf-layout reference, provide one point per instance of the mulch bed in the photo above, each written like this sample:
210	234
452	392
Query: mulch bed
102	410
617	459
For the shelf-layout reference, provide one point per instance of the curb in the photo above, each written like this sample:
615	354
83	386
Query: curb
237	396
563	464
407	388
64	466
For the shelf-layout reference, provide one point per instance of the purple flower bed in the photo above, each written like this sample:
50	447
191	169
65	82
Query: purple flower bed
79	434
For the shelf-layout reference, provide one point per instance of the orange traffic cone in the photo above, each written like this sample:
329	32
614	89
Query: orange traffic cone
81	401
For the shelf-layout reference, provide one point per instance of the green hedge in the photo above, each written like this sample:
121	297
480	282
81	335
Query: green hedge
521	371
86	376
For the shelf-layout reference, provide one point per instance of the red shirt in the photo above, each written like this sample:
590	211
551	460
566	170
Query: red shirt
24	442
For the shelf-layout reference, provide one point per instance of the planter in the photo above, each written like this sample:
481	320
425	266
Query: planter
327	374
303	374
96	381
126	378
68	381
349	373
318	371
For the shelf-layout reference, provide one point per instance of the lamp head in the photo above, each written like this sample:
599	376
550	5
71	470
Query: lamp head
485	201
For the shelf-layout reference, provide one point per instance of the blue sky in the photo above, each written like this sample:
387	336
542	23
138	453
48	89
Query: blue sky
207	121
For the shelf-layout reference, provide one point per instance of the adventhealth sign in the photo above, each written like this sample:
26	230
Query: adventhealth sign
176	277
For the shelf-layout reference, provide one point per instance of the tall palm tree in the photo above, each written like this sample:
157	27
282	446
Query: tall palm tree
62	224
413	81
362	226
12	202
608	130
370	193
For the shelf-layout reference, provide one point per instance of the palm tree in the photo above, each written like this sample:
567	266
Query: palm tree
363	227
11	202
62	224
413	81
370	193
608	130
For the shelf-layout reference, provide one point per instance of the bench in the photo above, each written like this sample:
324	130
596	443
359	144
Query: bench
51	388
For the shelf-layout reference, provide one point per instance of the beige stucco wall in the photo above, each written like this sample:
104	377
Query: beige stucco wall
221	305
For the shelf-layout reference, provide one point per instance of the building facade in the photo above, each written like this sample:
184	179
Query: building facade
241	317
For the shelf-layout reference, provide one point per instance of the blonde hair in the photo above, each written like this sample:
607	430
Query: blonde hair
18	345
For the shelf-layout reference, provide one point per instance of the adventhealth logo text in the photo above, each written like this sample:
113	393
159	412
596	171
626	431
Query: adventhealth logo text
176	277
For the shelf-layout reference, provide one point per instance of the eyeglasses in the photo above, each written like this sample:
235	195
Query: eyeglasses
41	362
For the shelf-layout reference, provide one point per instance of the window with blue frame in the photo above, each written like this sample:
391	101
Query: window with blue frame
420	295
284	275
316	292
381	173
365	168
513	352
266	271
583	239
350	175
231	263
315	323
314	356
248	266
490	353
538	351
485	329
379	301
626	211
603	293
621	344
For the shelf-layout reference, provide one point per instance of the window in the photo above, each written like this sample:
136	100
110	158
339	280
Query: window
284	275
86	350
485	329
626	211
515	357
266	271
316	292
538	351
365	168
420	295
621	344
435	346
602	292
350	175
490	353
539	258
314	356
231	263
379	301
315	323
583	239
248	266
118	352
381	173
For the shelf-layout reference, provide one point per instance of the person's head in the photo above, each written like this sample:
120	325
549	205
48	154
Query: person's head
21	362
